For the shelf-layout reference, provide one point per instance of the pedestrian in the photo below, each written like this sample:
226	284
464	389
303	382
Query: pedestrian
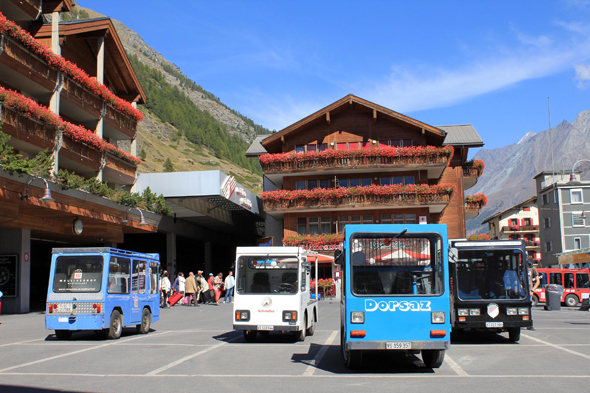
211	290
218	287
197	280
230	283
204	288
181	283
534	281
166	288
190	289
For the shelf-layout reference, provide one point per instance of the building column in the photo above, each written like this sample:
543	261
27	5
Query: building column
133	147
100	78
208	266
171	253
16	242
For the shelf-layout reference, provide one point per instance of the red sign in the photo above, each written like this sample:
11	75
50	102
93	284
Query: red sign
26	257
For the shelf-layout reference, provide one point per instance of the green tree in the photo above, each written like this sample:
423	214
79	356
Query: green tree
142	155
168	166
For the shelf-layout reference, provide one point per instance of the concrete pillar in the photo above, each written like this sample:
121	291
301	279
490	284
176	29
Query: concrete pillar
100	61
17	242
208	259
55	33
133	148
171	253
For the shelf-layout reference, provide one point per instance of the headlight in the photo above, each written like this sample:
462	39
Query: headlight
243	315
357	317
474	311
523	311
463	312
511	311
289	316
438	317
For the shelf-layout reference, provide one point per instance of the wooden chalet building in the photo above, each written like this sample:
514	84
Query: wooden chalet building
356	162
66	87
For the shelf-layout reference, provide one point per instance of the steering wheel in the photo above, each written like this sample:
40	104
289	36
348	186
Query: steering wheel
285	287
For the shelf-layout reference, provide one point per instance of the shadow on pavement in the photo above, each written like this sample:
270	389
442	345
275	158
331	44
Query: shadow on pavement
27	389
472	336
93	336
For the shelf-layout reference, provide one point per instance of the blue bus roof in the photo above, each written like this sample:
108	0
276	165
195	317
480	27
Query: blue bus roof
395	228
111	250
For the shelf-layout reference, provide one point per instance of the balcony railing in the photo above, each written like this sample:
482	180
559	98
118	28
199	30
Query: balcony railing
531	243
520	228
121	122
383	157
473	206
118	170
80	153
23	128
470	172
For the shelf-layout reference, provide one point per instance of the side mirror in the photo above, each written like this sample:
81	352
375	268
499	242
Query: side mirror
453	255
338	257
306	265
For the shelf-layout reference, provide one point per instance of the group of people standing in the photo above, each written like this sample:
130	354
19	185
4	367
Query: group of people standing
197	289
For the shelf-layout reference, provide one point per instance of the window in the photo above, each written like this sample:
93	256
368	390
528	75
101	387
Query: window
325	226
343	221
577	219
408	180
513	222
548	246
154	278
397	180
386	218
302	226
341	146
397	142
405	180
545	199
398	218
527	222
354	182
299	148
343	182
385	181
547	222
78	274
300	185
582	280
366	182
367	219
313	225
411	219
325	183
555	278
530	238
311	184
577	243
311	148
576	196
119	275
323	147
139	276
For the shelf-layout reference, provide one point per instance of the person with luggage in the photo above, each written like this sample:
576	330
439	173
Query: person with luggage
204	289
211	291
218	287
181	283
166	288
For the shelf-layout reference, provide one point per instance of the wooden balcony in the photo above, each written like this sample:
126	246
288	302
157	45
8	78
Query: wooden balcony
470	176
121	123
118	171
435	165
520	228
532	245
472	209
81	158
28	135
436	203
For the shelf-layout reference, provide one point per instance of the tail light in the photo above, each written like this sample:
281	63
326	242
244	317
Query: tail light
438	333
358	333
50	308
289	316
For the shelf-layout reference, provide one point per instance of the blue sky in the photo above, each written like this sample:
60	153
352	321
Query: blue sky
489	63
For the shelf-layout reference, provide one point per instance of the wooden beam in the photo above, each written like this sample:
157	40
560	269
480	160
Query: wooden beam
328	118
283	139
375	116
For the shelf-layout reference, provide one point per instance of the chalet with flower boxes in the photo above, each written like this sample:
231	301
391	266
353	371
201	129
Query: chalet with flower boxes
356	162
68	89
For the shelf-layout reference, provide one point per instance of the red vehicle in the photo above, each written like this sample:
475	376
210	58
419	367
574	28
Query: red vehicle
575	282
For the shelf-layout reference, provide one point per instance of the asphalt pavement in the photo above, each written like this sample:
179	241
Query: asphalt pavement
192	348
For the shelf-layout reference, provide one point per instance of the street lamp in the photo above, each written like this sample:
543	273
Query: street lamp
47	195
573	181
142	222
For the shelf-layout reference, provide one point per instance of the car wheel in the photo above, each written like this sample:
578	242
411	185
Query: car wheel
433	358
63	334
311	328
250	335
300	335
514	334
571	300
116	325
146	322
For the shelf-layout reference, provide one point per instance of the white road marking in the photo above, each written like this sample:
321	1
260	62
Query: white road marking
557	347
456	368
22	342
184	359
318	357
75	352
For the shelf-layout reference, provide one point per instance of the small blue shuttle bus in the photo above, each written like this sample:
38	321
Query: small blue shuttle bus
102	289
395	293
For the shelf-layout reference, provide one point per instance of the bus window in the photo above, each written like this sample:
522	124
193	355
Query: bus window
266	275
582	280
154	278
555	278
139	276
490	274
568	280
118	275
382	265
78	274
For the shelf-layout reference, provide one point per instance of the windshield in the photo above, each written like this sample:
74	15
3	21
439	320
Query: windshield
267	275
78	273
490	275
408	265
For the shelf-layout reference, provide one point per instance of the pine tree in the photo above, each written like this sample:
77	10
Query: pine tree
168	167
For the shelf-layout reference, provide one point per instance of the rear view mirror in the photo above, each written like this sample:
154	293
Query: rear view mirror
306	265
453	255
338	257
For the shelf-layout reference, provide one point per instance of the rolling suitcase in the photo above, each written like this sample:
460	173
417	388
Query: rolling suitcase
174	298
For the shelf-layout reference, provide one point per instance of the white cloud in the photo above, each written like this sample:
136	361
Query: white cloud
582	75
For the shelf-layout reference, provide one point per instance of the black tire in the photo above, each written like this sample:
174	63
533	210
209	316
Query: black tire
571	300
352	359
514	334
311	328
116	325
264	333
146	322
250	335
63	334
534	300
433	358
300	335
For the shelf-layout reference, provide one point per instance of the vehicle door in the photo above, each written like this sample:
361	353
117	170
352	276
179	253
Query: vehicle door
154	290
139	296
118	286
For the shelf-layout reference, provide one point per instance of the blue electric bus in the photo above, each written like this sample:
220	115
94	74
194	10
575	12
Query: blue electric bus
395	294
102	289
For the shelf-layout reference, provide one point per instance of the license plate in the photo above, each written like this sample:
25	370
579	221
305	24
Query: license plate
265	327
64	307
399	345
494	324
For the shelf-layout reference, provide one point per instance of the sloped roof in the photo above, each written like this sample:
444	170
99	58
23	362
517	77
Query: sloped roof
256	148
490	218
461	134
